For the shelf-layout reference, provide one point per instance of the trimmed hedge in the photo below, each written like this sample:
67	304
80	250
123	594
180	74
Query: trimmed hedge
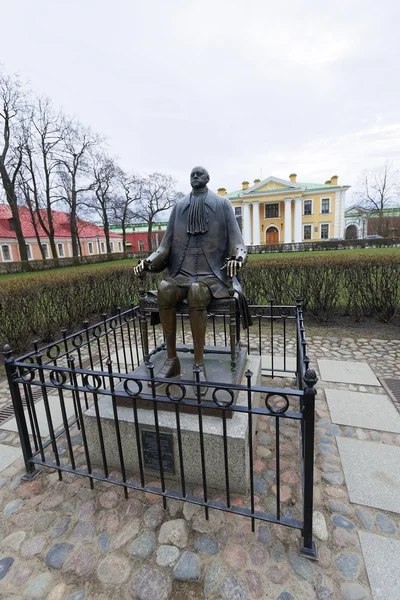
358	285
39	306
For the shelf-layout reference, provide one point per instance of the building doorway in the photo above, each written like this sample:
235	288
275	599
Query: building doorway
272	236
351	232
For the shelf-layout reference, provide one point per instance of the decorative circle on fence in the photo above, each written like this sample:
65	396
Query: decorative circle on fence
96	331
280	397
77	340
55	354
284	312
259	312
55	377
223	403
26	374
131	392
176	398
96	381
113	323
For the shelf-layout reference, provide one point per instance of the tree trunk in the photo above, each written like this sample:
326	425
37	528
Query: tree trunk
107	231
149	232
12	201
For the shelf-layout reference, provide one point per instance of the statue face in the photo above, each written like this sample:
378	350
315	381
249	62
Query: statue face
199	177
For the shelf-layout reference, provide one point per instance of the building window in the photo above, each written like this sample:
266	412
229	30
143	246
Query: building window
60	250
45	249
325	209
307	232
29	251
141	245
119	246
112	246
271	211
238	211
324	231
6	253
90	247
103	247
308	207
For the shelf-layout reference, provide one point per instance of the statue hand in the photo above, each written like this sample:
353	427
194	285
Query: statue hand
140	268
232	266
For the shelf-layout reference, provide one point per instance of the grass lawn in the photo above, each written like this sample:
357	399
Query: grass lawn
127	261
252	257
356	251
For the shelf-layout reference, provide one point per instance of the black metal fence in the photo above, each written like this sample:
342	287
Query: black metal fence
59	383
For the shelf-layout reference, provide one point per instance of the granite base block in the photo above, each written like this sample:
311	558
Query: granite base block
237	440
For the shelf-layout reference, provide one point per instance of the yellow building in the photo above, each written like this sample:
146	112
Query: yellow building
275	211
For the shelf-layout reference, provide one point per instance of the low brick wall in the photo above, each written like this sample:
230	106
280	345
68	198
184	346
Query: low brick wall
328	245
52	263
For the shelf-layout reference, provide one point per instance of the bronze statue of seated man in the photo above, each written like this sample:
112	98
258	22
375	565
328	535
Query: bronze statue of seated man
202	251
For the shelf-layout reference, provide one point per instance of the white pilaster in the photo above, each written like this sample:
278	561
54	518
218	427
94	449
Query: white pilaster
246	224
338	201
298	234
288	220
256	223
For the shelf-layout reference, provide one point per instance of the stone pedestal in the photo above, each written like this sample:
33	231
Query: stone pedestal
237	439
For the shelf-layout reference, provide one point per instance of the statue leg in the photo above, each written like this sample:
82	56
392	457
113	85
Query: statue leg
199	297
169	294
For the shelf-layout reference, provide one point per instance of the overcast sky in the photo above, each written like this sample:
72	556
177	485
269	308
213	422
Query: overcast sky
246	88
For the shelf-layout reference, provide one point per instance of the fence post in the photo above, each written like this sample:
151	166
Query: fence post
11	371
308	548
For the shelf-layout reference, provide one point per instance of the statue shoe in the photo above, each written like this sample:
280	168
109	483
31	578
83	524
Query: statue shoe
202	377
170	368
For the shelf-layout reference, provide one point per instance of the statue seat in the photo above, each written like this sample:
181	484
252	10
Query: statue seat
227	307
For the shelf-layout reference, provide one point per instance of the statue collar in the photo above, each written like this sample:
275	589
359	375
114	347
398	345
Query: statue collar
210	200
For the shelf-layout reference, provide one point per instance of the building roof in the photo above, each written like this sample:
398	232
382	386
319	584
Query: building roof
61	222
284	186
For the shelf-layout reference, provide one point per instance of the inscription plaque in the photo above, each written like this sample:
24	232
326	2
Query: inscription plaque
150	451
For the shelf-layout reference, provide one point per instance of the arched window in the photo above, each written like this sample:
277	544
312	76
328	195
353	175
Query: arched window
141	245
90	247
60	250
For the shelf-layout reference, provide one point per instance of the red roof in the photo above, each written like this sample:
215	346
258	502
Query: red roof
61	221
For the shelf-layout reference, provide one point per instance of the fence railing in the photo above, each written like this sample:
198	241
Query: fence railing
88	383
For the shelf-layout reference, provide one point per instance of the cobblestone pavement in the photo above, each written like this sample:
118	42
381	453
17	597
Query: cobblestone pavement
60	540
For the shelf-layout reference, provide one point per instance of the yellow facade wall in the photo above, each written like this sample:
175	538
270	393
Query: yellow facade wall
316	219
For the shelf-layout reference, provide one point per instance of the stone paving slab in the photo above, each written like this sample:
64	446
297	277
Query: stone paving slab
341	371
382	559
8	455
56	415
369	411
281	369
372	473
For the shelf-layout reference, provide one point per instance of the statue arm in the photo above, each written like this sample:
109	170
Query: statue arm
158	260
237	247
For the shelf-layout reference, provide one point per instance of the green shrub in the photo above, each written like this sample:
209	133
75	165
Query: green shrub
39	306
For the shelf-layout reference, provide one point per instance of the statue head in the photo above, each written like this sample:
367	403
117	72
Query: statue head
199	177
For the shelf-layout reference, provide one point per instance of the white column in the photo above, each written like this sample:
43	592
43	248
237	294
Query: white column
246	224
256	223
288	221
338	200
298	234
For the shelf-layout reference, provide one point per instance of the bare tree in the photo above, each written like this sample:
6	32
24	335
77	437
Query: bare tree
75	177
12	114
379	190
102	202
42	148
124	205
158	194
